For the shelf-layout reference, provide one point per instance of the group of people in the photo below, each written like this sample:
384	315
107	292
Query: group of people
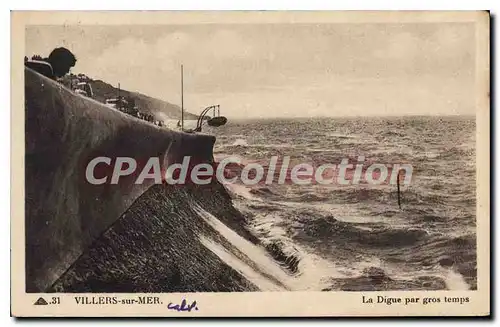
127	105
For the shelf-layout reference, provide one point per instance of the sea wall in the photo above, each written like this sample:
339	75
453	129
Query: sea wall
64	214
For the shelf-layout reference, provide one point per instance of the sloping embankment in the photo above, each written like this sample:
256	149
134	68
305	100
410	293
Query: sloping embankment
125	237
163	244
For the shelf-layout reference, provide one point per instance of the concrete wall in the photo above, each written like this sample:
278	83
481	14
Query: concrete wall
64	131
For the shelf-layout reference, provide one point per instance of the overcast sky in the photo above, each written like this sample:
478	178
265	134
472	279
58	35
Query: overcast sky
272	70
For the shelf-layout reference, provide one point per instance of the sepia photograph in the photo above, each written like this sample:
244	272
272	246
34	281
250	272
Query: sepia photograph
261	154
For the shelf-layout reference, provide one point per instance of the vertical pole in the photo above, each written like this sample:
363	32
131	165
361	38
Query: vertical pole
214	112
182	98
118	103
399	190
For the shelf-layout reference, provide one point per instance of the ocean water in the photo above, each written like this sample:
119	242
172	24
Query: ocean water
355	237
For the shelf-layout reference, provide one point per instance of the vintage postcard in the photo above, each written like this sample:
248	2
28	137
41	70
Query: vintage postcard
250	164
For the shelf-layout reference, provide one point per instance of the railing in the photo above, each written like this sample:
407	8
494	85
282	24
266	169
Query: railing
204	113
